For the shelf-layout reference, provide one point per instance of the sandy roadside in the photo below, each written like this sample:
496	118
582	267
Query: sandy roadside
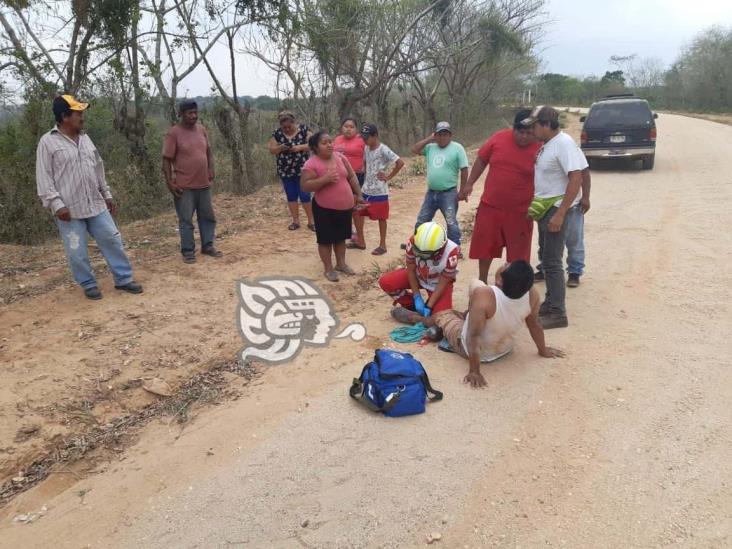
624	443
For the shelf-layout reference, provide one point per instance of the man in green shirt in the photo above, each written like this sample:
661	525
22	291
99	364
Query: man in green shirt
446	160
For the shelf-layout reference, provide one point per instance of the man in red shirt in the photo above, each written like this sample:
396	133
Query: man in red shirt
502	221
189	172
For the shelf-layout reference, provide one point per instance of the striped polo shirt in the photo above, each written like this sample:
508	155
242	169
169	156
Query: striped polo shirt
71	175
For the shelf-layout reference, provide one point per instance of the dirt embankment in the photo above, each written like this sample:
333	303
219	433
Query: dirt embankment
75	369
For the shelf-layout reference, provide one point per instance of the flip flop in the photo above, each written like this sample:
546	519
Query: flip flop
332	276
444	345
354	246
378	251
293	226
311	226
346	270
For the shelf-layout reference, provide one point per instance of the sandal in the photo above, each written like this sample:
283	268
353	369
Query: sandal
346	270
355	246
293	226
332	276
311	226
379	251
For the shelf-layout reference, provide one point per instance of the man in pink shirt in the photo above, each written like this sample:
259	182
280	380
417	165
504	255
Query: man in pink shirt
189	172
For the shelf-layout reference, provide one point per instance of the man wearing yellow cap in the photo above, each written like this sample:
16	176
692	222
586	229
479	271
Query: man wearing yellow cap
71	183
432	266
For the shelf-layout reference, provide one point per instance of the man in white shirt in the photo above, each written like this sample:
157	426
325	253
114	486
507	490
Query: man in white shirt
557	183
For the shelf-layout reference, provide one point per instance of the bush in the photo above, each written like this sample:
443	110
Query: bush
418	166
22	218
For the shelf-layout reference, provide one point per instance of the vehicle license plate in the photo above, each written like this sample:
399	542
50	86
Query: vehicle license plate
617	139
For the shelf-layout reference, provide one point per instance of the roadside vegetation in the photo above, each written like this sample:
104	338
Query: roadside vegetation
401	64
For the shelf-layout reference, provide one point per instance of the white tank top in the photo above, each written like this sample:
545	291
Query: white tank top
497	338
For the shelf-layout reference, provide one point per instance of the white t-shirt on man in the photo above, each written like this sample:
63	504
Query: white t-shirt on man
559	156
377	160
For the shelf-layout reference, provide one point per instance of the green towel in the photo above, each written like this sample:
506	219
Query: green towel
539	206
408	334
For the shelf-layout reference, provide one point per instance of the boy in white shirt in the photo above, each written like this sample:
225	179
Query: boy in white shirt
377	157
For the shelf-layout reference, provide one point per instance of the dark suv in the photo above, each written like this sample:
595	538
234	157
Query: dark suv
620	126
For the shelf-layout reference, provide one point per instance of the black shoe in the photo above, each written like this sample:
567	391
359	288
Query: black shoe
539	275
213	252
553	320
93	293
573	280
131	287
189	259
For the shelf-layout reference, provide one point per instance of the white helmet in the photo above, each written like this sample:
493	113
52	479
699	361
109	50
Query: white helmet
430	237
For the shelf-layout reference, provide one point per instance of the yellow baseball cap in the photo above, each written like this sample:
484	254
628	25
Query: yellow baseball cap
65	103
75	105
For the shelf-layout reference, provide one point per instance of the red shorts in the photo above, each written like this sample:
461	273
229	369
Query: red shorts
396	284
496	229
375	210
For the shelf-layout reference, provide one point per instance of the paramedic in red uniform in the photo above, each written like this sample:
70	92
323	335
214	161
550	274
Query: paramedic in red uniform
432	266
501	221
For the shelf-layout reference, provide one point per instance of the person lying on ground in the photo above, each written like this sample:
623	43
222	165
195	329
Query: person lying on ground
487	330
431	265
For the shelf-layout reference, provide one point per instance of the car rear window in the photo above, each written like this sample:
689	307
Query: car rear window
611	115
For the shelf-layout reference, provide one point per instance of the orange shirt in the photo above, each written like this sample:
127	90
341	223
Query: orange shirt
352	148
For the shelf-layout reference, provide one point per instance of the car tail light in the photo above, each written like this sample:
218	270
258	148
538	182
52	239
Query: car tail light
652	134
583	137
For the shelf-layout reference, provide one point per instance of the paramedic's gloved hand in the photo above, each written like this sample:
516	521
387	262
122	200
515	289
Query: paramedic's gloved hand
419	304
427	311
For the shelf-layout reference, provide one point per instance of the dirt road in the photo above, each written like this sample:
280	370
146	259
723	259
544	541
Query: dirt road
624	443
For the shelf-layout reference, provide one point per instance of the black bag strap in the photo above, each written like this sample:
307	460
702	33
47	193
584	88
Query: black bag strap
437	394
357	393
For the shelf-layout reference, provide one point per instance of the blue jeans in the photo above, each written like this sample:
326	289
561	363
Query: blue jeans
575	240
102	229
198	201
447	203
